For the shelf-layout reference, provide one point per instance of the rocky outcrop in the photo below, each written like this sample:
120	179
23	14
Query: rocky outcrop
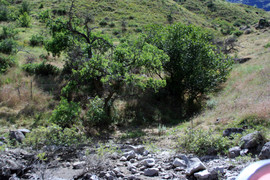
265	152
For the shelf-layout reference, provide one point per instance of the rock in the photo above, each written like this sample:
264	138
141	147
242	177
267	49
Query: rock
123	158
234	152
149	162
265	152
244	152
24	131
263	23
179	163
79	165
230	131
1	143
194	165
151	172
137	149
130	154
145	153
252	140
202	175
2	138
248	31
17	135
240	61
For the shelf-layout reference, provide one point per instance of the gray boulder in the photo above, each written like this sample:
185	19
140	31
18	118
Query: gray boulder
151	172
194	165
17	135
265	152
130	154
149	162
24	131
79	165
202	175
230	131
234	152
179	163
252	140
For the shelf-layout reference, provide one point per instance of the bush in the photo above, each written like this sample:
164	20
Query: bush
96	115
5	63
203	142
103	23
54	135
3	13
237	33
25	8
195	67
44	16
112	25
8	46
41	69
8	32
24	20
36	40
66	113
267	45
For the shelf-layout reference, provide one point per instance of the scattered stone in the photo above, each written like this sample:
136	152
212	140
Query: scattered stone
123	158
202	175
265	152
2	138
230	131
149	162
138	149
130	155
194	165
244	152
252	140
24	131
179	168
241	61
179	163
234	152
151	172
1	143
79	165
145	153
132	160
263	23
248	31
17	135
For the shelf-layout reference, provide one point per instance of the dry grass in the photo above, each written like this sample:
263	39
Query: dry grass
247	90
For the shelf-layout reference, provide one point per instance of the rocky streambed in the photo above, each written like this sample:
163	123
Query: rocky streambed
127	161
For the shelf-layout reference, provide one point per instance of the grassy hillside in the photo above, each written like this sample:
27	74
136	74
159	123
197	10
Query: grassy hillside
26	100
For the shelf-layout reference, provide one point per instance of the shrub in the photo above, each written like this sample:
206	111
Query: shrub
66	113
41	69
203	142
8	46
237	33
5	63
103	23
112	25
25	8
3	13
41	6
44	16
267	45
96	115
54	135
36	40
195	67
24	20
8	32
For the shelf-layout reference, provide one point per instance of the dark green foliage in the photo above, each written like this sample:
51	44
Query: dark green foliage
36	40
194	67
41	69
96	115
24	20
3	13
8	46
5	63
59	12
66	113
25	7
44	16
237	33
41	6
8	32
59	43
112	25
103	23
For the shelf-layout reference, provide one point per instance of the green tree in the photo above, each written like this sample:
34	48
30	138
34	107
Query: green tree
95	68
195	67
24	20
